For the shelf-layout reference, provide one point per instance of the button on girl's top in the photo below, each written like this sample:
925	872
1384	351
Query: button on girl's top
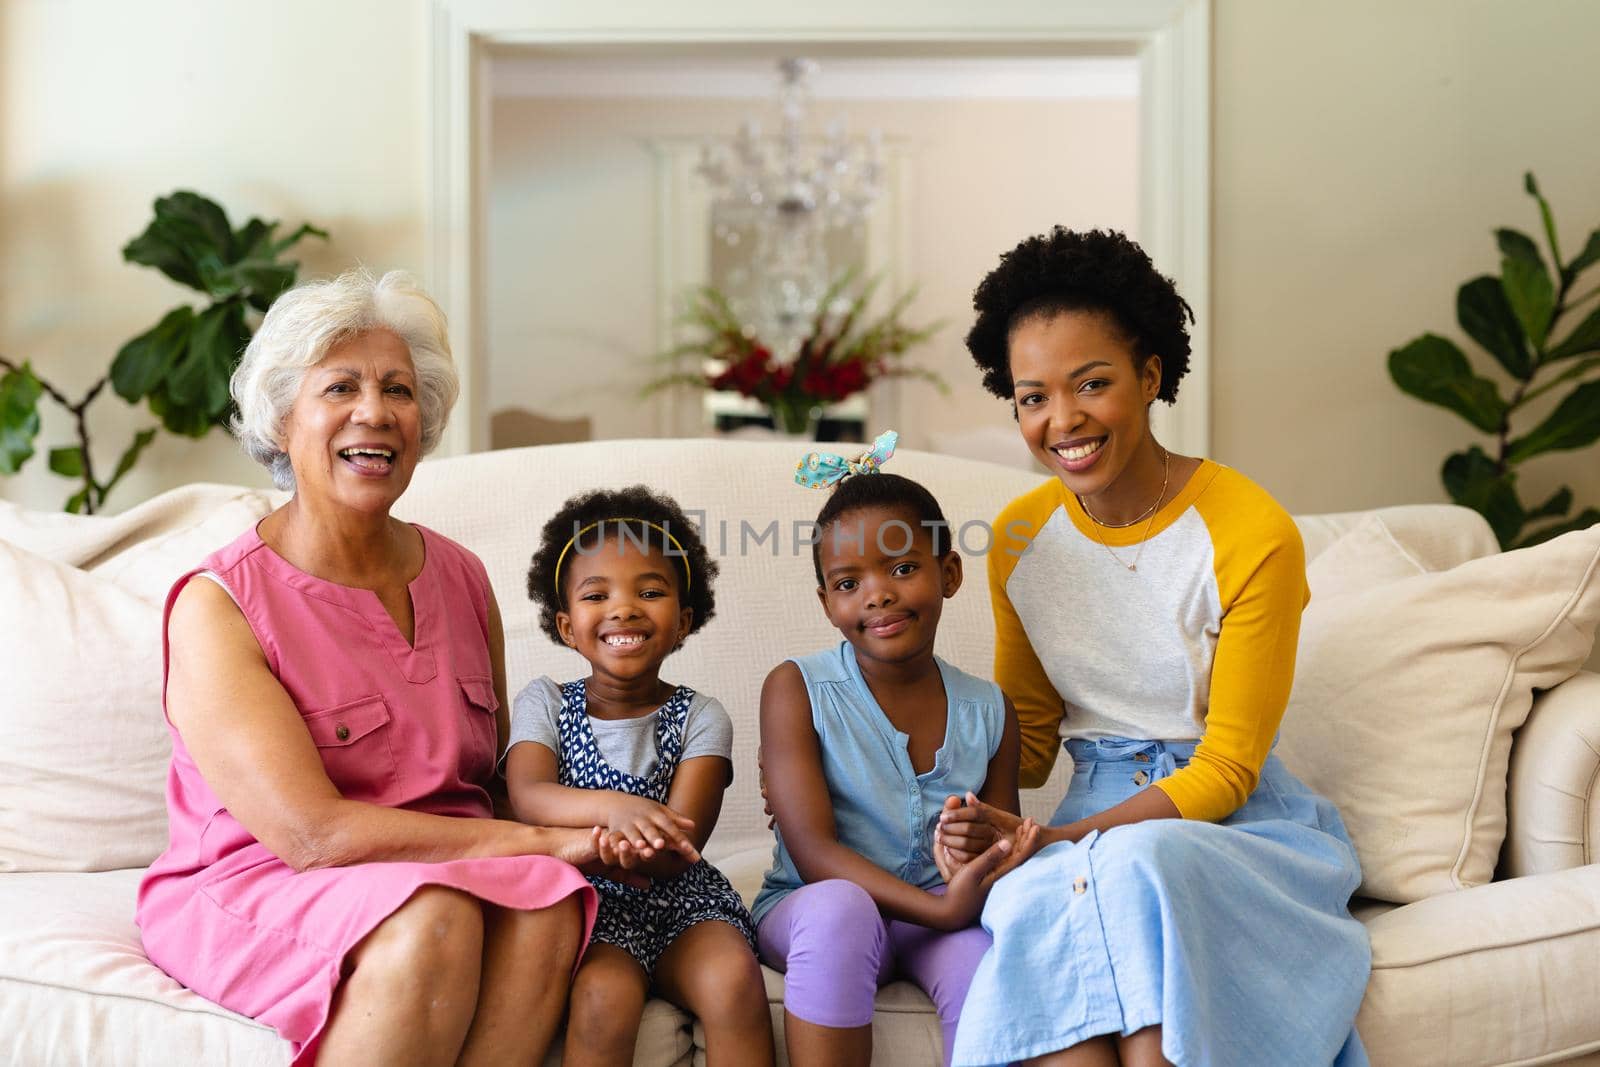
882	808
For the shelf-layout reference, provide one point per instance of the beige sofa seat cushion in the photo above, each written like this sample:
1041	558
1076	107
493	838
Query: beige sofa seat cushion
1409	685
1500	974
75	986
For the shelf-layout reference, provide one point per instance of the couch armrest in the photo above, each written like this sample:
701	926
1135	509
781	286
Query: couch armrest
1553	791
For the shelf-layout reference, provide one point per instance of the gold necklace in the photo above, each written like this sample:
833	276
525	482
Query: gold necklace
1166	474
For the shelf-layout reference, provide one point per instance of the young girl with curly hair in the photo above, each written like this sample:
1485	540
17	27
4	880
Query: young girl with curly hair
623	578
1190	905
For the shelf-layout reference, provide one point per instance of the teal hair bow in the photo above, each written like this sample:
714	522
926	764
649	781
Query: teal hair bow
822	469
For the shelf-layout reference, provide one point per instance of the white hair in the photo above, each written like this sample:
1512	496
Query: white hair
309	320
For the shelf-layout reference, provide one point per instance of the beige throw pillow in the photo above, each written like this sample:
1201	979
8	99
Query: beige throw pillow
83	743
1409	685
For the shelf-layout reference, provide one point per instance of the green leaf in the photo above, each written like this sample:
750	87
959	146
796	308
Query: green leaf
164	251
1472	481
77	500
1575	423
1559	503
141	441
1585	337
1582	521
1434	370
1514	244
179	418
19	417
1584	260
67	462
254	239
262	281
1531	295
216	340
188	232
1549	221
1487	318
144	362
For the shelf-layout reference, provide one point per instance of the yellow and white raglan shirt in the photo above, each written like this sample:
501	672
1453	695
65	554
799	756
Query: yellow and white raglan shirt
1196	644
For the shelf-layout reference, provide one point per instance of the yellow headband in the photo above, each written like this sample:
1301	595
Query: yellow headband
643	522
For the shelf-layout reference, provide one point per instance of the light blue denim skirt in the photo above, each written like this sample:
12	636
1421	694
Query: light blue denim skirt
1235	937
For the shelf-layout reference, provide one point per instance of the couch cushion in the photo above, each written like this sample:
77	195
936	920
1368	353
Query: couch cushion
190	521
1409	685
76	987
83	745
1438	536
1504	973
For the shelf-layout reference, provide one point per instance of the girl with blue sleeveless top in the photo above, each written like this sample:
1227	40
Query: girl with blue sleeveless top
863	744
622	577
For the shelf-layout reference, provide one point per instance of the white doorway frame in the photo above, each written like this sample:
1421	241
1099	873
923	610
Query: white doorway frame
1172	39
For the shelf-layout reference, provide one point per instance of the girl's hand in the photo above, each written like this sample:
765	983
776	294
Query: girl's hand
963	828
958	839
615	859
650	827
968	887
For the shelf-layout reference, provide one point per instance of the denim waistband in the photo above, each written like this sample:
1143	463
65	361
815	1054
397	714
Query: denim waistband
1164	756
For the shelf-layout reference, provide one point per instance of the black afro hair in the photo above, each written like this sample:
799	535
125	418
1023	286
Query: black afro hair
891	492
1072	270
695	570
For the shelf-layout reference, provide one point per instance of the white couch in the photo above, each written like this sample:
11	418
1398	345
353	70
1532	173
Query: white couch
1466	974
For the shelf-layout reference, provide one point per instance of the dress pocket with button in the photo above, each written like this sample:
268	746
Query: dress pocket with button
353	740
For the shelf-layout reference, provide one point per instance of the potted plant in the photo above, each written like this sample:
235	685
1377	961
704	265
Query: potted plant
1514	317
180	366
842	354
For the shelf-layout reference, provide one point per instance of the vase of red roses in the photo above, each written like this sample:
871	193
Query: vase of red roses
843	353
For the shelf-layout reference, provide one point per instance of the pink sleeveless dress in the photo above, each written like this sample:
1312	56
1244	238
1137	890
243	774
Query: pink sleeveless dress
404	725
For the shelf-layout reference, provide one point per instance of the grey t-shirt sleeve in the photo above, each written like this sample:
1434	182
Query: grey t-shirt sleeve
535	716
708	730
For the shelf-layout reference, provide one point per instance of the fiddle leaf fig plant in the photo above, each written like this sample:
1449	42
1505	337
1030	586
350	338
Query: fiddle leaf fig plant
180	366
1515	318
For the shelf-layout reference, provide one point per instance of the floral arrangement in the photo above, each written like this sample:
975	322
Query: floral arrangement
841	354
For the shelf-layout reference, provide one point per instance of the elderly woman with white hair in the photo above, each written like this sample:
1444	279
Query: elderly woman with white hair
335	691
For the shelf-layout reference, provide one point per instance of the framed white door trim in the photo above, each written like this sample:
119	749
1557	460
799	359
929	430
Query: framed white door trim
1171	38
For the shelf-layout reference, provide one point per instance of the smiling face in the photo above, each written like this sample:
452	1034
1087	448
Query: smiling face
882	586
354	434
624	613
1082	400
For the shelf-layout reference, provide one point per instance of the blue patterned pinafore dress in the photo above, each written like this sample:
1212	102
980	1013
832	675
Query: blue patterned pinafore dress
645	922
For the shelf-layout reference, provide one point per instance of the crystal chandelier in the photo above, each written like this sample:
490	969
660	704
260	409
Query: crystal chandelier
787	191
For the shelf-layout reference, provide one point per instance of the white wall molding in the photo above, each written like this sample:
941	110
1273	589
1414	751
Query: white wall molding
995	77
1170	37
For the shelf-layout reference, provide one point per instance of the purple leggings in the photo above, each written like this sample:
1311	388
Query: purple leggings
835	949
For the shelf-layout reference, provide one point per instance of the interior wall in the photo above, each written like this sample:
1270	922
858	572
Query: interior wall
1364	152
572	275
296	110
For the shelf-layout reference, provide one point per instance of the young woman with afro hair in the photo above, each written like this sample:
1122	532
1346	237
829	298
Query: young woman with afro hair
1147	610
